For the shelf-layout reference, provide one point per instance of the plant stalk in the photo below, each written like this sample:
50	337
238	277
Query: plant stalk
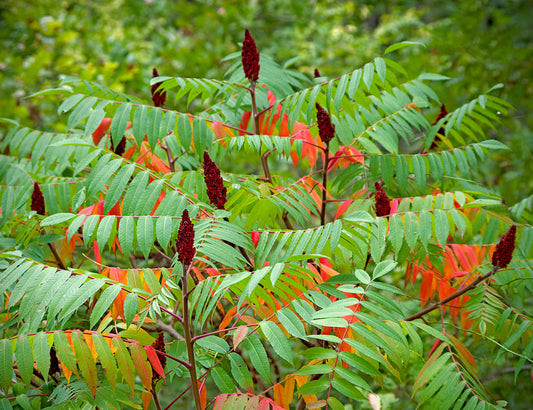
453	296
255	116
324	182
188	340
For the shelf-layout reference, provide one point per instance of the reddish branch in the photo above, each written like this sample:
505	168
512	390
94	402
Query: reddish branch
453	296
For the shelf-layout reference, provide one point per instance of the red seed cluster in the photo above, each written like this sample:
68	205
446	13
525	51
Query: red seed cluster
37	200
442	113
121	147
382	201
185	242
216	191
317	73
54	363
158	97
326	129
159	346
505	248
250	57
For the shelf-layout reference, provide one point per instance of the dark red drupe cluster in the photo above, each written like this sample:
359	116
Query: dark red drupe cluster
37	200
505	248
121	147
382	201
216	191
326	129
158	97
54	363
250	57
185	242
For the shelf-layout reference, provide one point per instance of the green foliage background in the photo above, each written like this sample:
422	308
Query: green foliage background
117	42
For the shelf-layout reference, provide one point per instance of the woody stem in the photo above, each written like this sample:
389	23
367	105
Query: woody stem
188	339
324	182
255	116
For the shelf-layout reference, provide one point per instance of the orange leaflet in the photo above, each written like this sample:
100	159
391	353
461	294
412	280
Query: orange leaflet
203	394
146	399
301	380
151	160
344	157
118	304
459	269
267	126
283	395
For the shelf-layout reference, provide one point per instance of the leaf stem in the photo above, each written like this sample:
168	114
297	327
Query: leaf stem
188	340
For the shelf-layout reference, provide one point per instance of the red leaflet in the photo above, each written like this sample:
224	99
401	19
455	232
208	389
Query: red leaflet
37	200
250	57
101	130
255	238
185	242
158	97
505	248
157	359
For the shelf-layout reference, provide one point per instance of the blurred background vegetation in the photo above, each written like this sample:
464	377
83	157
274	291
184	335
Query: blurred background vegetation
117	43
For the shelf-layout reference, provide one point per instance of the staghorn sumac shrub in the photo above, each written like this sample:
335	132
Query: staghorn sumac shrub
341	267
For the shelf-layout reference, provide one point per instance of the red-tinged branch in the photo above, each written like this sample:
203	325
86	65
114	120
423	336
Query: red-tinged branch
326	131
453	296
324	182
255	115
188	340
60	263
154	395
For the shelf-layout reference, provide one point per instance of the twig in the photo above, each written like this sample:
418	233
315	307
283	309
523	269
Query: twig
324	182
171	160
56	256
452	296
154	395
188	337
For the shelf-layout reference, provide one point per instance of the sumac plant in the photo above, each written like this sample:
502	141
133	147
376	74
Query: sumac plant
291	242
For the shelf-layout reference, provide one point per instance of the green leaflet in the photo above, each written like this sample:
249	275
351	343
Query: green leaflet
24	358
120	122
277	340
258	356
125	363
6	366
145	234
41	352
117	186
104	301
106	358
85	360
